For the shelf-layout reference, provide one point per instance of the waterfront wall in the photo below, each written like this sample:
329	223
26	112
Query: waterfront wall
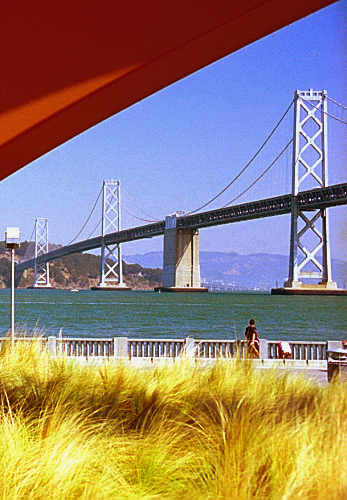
126	348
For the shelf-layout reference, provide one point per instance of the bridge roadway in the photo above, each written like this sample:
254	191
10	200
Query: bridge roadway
313	199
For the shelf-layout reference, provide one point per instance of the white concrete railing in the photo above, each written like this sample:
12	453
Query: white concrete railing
123	347
155	348
84	347
220	348
301	350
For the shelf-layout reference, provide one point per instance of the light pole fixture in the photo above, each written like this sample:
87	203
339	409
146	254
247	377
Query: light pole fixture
12	241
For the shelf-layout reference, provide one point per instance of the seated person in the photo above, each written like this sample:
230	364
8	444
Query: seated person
284	350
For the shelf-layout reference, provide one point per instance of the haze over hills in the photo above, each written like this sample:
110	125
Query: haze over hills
144	271
261	270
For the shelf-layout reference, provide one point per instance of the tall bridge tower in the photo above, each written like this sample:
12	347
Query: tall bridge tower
111	273
41	271
309	240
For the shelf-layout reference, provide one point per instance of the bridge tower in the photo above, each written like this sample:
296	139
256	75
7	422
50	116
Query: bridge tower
41	271
309	240
181	269
111	275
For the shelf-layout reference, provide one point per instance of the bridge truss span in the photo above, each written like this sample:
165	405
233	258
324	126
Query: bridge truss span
132	234
237	213
314	199
323	197
137	233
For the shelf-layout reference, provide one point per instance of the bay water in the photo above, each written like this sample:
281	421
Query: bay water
137	314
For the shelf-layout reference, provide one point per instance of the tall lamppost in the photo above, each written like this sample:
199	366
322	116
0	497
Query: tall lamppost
12	241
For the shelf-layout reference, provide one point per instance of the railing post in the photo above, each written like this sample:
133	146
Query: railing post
190	347
120	347
263	349
52	345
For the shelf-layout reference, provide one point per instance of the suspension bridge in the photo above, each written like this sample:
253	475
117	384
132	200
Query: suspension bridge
181	269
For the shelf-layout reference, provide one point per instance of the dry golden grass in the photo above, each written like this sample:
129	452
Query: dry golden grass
69	431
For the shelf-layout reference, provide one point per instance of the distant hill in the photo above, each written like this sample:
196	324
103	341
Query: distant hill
144	272
149	259
74	271
241	271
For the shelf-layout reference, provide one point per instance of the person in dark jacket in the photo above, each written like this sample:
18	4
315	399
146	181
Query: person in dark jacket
251	335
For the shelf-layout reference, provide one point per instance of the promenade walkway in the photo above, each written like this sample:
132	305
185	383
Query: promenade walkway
318	375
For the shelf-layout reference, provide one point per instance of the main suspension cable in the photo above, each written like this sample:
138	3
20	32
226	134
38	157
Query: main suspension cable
330	99
32	234
260	176
245	168
136	217
132	201
87	218
95	228
325	112
54	236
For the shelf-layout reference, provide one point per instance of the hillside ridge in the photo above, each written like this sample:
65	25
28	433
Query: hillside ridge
219	270
74	271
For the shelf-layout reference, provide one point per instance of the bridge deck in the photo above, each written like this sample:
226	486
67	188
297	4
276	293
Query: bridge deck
313	199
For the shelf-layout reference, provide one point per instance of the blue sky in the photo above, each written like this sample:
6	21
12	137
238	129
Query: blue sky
178	148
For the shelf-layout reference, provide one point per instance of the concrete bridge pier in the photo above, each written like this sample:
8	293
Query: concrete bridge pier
181	269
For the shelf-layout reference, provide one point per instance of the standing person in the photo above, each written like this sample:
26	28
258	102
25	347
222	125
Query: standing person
251	335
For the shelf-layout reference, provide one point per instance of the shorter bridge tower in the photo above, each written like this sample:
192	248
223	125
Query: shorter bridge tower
181	270
41	271
309	241
111	274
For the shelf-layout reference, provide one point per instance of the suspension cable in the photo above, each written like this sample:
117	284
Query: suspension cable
325	112
54	236
32	234
330	99
136	217
248	164
148	215
25	256
260	176
95	228
87	218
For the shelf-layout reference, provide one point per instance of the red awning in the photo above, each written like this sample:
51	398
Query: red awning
68	65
